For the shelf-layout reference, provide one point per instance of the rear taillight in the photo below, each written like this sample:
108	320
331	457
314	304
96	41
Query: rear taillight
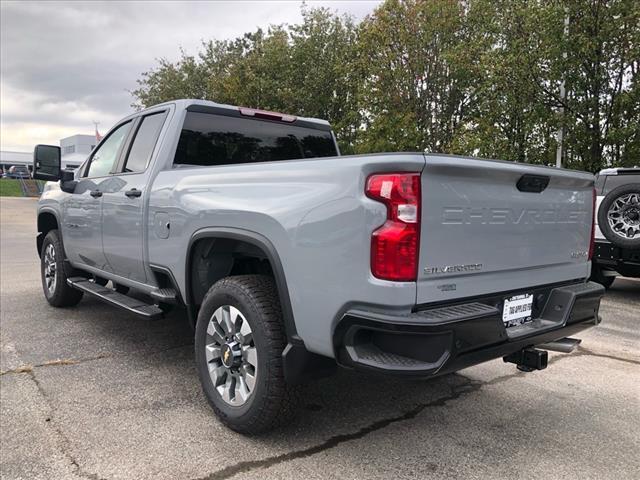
395	245
592	244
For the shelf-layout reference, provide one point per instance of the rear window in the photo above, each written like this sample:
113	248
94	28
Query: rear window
209	139
614	181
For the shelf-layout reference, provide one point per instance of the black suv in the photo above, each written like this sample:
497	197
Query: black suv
617	231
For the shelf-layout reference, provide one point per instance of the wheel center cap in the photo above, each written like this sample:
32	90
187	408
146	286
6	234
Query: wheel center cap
231	355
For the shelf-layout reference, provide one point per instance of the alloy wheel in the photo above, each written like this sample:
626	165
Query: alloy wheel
50	276
624	216
231	355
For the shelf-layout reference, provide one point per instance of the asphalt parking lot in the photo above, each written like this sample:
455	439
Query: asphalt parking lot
92	392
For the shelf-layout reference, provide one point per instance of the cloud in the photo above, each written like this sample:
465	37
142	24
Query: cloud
65	64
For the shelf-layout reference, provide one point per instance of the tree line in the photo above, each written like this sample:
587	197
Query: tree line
471	77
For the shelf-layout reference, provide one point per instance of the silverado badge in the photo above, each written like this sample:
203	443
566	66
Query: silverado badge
471	267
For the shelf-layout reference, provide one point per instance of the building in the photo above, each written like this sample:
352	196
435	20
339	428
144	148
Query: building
74	150
9	158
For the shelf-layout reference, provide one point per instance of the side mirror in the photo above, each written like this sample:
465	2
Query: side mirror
46	162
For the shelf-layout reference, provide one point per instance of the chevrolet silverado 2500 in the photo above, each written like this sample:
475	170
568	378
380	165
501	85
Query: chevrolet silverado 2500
291	259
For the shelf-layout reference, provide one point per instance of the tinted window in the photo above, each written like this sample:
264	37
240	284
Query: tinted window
208	139
145	140
107	154
614	181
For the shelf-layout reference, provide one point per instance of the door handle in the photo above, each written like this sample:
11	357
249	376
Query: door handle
95	193
133	193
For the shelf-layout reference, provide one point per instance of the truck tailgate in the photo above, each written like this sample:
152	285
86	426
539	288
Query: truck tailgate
482	233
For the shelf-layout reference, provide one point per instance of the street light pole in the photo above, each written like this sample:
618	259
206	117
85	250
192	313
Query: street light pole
563	96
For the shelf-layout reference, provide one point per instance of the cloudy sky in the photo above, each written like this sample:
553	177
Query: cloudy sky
67	64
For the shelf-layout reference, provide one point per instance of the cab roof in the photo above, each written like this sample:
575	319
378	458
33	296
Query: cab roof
202	105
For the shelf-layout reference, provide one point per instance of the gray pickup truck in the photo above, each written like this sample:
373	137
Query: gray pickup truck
291	259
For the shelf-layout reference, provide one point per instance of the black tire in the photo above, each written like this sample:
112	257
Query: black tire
633	210
61	295
271	401
597	276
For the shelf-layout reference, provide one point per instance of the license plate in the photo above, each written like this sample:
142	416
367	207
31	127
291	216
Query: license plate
517	310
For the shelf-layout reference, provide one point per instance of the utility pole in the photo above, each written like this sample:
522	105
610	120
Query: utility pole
563	96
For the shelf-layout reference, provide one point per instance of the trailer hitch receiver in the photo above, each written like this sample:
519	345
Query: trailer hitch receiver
528	359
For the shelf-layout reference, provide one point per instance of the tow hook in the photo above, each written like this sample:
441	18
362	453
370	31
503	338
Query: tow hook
528	359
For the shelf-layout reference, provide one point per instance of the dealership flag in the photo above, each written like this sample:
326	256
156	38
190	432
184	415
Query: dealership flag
98	136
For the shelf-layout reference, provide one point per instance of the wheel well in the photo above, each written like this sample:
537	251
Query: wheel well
218	254
46	222
215	258
228	253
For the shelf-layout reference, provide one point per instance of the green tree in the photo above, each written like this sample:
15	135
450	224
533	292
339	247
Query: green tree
325	77
419	78
508	120
602	107
476	77
305	69
170	81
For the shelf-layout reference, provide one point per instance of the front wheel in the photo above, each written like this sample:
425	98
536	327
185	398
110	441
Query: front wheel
54	276
238	347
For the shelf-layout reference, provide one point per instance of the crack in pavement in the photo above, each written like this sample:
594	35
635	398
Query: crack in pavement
75	361
52	363
470	386
246	466
590	353
63	440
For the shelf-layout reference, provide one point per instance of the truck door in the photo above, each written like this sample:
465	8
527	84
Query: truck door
123	220
82	210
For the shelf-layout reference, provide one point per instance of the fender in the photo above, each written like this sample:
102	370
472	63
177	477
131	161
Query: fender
299	365
40	236
270	251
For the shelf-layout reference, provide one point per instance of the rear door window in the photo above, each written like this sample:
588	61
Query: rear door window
144	142
209	139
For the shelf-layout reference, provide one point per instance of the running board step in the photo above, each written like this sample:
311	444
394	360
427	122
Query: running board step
165	295
108	295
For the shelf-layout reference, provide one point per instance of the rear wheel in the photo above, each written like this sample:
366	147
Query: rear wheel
54	276
239	344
